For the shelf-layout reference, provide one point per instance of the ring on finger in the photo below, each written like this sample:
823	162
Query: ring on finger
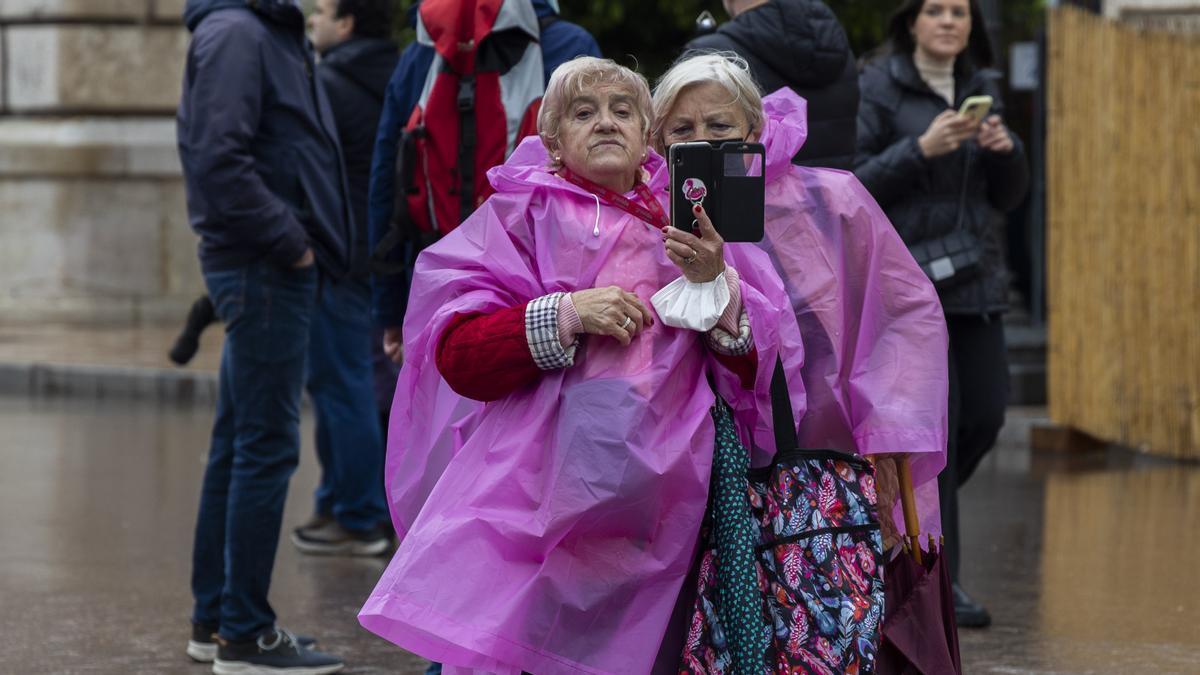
626	323
692	259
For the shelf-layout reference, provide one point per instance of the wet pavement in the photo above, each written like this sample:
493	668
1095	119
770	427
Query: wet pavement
97	504
1087	563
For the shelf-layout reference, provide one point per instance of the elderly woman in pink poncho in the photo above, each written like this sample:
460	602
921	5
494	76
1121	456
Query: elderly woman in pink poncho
874	337
570	360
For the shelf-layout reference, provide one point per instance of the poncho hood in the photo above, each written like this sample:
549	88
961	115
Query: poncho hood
785	128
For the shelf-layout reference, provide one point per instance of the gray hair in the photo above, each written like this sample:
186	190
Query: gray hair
584	73
724	68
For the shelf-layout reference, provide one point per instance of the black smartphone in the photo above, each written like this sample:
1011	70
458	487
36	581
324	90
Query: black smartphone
726	177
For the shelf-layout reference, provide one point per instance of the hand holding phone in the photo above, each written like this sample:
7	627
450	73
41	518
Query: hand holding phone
946	133
994	136
700	254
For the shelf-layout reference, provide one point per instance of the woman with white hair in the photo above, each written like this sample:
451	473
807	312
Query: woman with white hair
873	333
552	434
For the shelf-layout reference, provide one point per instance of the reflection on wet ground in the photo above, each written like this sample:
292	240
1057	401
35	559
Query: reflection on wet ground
1088	564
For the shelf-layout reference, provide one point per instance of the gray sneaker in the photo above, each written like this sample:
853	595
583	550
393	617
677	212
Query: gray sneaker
333	539
202	648
275	652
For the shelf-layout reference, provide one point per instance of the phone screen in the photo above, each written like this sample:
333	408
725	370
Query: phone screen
743	164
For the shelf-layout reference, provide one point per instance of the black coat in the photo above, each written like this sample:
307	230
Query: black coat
261	162
800	44
355	75
922	196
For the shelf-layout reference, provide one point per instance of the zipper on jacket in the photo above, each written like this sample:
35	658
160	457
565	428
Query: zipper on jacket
793	538
309	71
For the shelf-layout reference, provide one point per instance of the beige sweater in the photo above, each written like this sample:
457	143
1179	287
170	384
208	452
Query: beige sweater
939	76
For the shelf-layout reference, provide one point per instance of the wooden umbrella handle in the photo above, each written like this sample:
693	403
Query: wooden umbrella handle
908	502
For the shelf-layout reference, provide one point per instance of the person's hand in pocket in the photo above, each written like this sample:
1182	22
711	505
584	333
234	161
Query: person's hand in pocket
393	344
306	260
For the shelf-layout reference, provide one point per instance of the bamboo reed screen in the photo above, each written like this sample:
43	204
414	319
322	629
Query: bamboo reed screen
1123	240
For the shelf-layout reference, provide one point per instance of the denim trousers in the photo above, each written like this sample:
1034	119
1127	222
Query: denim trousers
267	311
342	389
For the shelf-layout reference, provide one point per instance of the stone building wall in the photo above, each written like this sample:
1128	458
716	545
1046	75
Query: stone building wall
93	226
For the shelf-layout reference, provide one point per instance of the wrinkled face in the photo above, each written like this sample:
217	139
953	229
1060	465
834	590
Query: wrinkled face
706	112
942	28
601	137
326	30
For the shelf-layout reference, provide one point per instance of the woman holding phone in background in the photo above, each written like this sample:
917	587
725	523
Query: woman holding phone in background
947	177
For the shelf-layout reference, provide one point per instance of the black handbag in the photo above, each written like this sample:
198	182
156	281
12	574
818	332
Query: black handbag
952	258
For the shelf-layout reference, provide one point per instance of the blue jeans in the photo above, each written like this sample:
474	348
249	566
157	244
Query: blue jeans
267	311
341	385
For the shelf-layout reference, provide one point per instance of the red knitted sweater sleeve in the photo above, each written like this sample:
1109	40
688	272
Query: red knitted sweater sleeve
486	356
744	366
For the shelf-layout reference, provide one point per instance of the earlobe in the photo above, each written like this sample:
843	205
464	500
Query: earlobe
552	149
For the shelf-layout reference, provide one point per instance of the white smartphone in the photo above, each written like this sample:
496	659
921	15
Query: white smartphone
976	107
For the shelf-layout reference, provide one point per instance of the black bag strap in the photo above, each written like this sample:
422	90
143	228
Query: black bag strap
400	228
781	411
466	146
962	195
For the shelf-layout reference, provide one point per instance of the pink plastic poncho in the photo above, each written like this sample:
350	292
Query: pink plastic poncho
551	531
875	343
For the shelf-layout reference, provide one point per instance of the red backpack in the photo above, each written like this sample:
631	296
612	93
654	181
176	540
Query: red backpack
481	97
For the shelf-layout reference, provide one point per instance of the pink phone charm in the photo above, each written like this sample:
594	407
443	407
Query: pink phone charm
694	190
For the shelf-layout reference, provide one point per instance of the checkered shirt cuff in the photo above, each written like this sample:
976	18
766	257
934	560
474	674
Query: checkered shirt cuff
733	310
541	330
722	341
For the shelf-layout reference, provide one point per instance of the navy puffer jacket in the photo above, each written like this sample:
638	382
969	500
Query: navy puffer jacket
800	44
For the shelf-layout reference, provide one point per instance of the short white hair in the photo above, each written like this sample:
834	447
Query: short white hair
726	69
581	74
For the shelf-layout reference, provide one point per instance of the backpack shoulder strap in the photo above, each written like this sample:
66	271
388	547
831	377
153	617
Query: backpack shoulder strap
466	146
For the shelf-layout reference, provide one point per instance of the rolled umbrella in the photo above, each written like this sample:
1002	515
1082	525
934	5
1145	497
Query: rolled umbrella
920	634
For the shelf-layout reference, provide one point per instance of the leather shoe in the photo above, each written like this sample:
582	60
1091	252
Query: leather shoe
967	612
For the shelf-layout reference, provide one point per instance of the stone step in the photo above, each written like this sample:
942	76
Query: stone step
1026	362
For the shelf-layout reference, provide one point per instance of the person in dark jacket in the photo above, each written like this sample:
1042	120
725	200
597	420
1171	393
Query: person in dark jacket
350	515
934	171
267	195
798	44
560	42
